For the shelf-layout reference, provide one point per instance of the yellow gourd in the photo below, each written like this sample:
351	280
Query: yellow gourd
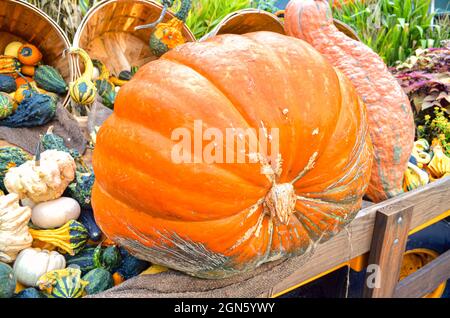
439	166
83	90
12	49
414	178
420	152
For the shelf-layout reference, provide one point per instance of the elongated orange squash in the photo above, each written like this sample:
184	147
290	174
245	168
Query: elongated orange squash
391	121
217	218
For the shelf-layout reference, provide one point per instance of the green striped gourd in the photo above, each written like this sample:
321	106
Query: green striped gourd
50	79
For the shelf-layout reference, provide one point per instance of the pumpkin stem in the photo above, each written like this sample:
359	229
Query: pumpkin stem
154	24
280	202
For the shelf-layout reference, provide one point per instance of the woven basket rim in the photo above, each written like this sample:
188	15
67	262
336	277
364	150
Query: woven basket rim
104	3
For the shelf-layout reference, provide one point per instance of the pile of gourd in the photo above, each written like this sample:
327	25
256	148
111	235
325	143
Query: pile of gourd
428	163
97	80
29	90
109	85
50	245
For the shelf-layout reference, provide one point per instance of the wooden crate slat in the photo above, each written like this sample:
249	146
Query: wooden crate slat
388	245
429	202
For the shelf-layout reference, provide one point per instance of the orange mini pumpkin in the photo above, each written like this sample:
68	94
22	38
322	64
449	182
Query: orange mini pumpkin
214	220
28	70
23	80
390	116
29	54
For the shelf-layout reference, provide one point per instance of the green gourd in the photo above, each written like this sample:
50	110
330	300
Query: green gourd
125	75
134	70
81	188
167	35
86	259
110	258
106	91
7	281
63	283
30	293
6	105
50	79
99	280
130	266
33	111
88	220
52	141
7	84
83	90
71	237
10	156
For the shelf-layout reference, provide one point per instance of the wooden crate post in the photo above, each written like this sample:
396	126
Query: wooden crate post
388	245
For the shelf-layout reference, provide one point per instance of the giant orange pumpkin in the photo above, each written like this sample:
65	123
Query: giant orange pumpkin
214	220
390	116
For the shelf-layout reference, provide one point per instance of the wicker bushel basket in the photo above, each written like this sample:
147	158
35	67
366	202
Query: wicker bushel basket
107	33
253	20
21	21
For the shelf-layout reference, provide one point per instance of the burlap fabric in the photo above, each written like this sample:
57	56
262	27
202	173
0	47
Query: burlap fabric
173	284
64	125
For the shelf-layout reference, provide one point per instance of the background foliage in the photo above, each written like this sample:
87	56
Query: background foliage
394	29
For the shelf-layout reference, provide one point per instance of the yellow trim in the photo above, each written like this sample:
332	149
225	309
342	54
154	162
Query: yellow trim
430	222
358	262
421	253
308	280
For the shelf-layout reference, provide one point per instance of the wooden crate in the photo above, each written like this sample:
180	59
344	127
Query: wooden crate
382	230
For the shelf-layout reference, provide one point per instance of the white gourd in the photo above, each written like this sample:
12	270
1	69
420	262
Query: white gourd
55	213
32	263
44	182
14	234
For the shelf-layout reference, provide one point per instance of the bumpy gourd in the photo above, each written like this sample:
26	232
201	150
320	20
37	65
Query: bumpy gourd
63	283
7	84
32	263
52	141
83	90
14	233
37	110
81	188
44	181
71	237
218	219
9	65
6	105
390	116
50	79
168	35
11	156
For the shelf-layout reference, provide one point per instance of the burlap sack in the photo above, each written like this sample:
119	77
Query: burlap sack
173	284
64	125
